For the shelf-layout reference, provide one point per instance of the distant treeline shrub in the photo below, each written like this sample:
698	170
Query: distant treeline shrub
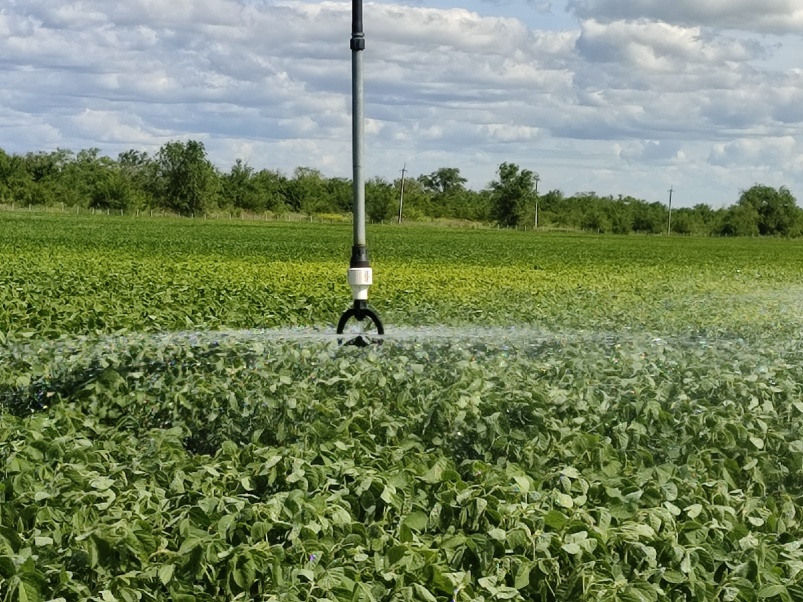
181	178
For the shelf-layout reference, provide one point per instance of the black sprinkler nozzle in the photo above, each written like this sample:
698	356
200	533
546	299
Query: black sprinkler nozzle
360	311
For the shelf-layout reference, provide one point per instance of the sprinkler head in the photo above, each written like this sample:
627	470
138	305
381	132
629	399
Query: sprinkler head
361	312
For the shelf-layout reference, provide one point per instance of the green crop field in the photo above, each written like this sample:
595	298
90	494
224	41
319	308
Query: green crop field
551	417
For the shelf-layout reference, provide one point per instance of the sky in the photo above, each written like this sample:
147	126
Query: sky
627	97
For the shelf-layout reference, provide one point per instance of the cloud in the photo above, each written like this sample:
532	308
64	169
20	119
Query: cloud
270	82
113	126
752	152
769	16
651	151
660	47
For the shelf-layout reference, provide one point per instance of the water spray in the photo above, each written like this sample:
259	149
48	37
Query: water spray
360	276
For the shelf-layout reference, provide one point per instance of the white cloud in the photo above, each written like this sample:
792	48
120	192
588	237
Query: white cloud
651	151
114	126
756	153
769	16
659	47
270	82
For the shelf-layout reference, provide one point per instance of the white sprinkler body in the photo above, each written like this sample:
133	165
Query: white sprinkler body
360	279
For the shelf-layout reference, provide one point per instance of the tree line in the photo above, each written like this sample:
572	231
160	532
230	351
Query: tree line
181	178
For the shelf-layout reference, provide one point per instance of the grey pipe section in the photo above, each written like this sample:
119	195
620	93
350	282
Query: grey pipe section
359	254
358	153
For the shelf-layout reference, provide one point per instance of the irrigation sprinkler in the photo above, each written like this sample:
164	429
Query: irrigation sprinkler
360	276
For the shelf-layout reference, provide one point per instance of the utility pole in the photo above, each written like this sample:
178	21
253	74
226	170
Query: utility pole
669	222
537	179
401	196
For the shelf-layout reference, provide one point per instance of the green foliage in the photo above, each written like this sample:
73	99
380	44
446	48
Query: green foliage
341	194
271	186
683	221
650	218
307	192
480	467
138	172
739	220
86	275
765	211
240	187
596	221
567	456
416	199
444	181
180	178
512	193
448	196
774	211
381	201
185	178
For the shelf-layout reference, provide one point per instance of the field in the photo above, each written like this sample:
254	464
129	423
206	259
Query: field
551	417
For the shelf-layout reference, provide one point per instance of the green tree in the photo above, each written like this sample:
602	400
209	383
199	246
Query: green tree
704	214
111	190
340	193
511	193
649	218
443	180
45	184
271	186
472	205
550	206
16	183
777	211
138	170
43	166
620	215
239	188
739	220
596	220
96	181
380	199
417	199
446	188
306	192
186	179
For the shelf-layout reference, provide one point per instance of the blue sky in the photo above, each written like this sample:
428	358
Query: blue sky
612	96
